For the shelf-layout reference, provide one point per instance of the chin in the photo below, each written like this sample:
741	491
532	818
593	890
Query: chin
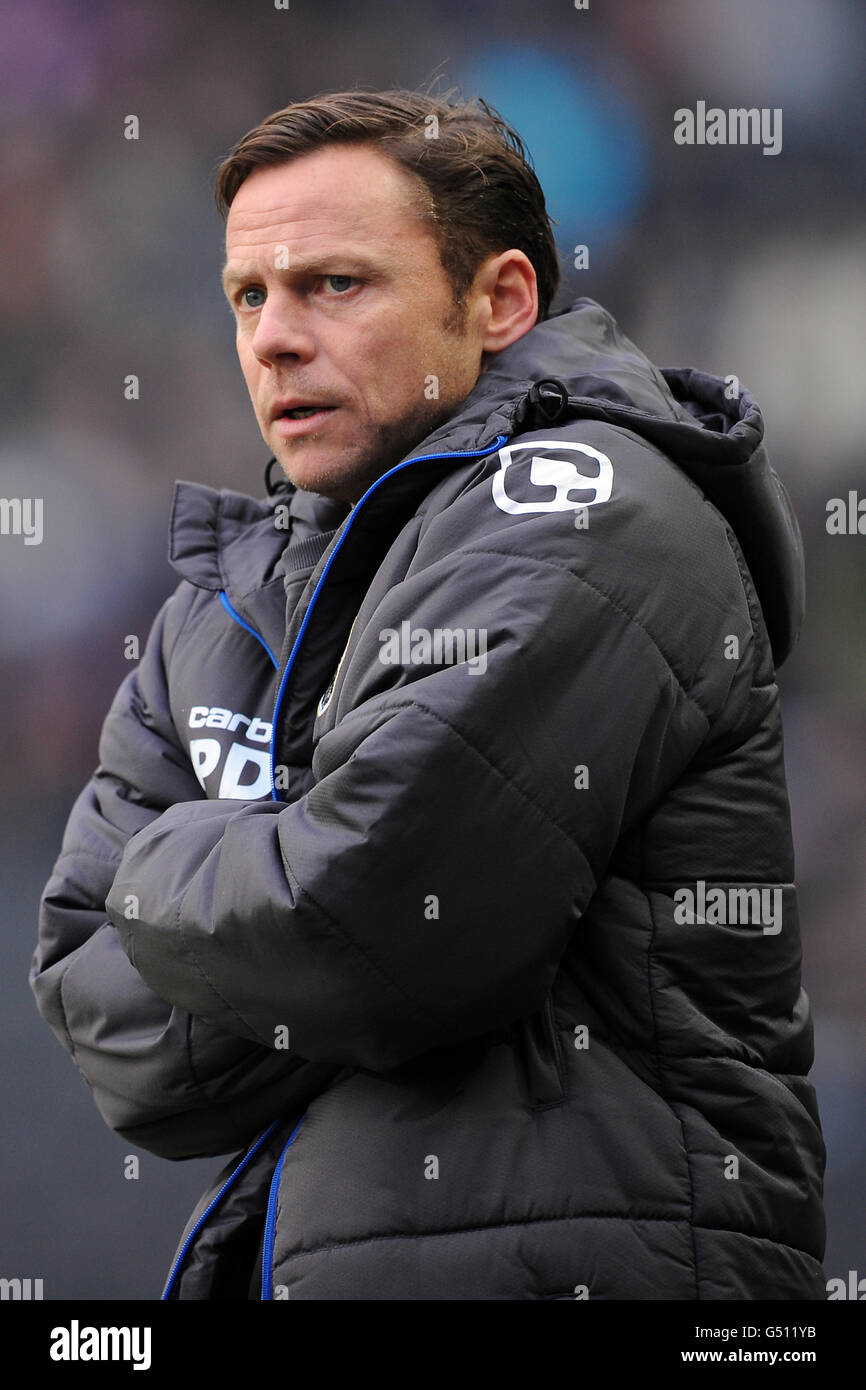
345	484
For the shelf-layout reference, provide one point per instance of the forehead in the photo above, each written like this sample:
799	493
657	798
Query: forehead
336	196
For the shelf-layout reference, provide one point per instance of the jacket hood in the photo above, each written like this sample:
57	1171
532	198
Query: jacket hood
710	427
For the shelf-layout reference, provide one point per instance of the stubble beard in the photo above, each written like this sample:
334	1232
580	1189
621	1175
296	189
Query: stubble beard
390	443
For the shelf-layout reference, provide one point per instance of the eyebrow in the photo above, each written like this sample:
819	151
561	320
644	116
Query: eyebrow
237	274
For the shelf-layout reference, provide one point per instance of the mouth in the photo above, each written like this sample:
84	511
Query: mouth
298	419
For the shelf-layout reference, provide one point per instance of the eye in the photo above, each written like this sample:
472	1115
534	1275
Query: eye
340	283
245	300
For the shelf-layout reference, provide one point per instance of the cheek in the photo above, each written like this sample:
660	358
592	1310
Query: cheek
250	367
389	362
406	358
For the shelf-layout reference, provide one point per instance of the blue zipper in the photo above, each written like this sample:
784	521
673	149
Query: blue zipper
423	458
235	615
218	1198
271	1222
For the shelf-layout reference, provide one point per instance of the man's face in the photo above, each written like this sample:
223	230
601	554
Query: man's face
341	303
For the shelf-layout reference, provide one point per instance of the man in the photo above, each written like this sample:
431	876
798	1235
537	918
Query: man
439	853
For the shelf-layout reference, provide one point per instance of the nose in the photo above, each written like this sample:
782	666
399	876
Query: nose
282	330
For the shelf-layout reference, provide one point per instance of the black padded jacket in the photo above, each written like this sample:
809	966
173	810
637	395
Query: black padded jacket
439	860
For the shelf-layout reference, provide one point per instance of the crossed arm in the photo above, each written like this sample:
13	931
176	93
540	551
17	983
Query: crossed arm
422	892
161	1076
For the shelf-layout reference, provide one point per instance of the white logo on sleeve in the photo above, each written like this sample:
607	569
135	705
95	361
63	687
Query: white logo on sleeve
536	470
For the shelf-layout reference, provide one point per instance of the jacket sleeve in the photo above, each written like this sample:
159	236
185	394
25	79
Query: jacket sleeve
161	1077
424	889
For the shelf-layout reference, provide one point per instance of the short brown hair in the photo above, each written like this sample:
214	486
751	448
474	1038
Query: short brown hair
483	195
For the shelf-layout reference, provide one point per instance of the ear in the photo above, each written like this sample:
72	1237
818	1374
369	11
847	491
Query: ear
507	292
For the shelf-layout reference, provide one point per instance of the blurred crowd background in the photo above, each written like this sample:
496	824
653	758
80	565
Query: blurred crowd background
718	257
